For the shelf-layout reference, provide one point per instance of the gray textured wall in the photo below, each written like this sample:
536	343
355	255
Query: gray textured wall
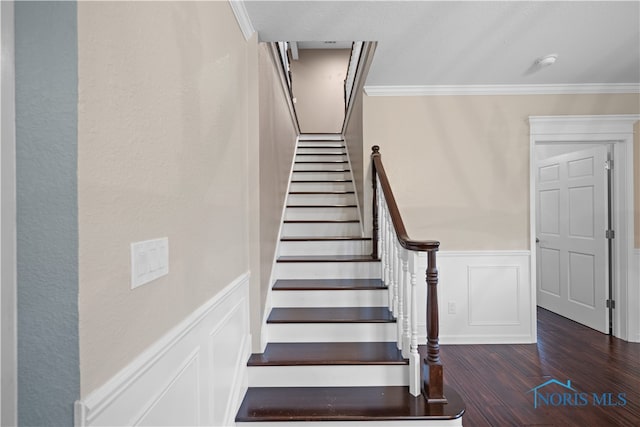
47	211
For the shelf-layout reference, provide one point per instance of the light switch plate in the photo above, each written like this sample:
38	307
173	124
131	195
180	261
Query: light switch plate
149	261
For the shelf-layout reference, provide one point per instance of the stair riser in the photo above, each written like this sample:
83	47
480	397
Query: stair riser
328	214
331	332
334	247
317	158
329	175
321	229
343	298
319	166
327	270
321	186
328	376
310	137
321	199
320	148
320	144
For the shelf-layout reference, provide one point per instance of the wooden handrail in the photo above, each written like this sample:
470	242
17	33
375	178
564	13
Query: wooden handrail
405	241
432	384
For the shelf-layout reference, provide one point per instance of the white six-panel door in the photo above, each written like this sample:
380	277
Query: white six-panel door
571	223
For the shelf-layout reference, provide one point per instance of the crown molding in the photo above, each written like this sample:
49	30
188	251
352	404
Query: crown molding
240	12
550	89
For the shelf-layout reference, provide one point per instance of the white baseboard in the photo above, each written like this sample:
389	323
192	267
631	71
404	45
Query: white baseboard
492	295
194	375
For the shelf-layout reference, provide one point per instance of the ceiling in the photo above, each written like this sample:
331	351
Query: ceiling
427	43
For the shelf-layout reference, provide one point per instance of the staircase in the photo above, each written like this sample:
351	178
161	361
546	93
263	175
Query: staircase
331	356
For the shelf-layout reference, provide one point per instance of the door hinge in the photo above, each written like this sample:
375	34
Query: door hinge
610	234
608	165
611	303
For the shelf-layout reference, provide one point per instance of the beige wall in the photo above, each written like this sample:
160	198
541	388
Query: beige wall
354	140
636	180
318	86
277	137
459	165
162	151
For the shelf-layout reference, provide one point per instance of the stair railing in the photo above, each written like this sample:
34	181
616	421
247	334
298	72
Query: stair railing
399	257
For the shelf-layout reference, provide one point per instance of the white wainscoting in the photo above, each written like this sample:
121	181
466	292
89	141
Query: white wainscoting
484	297
634	292
195	375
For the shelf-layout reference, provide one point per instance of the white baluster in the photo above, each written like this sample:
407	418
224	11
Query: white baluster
415	379
401	295
392	274
387	255
406	327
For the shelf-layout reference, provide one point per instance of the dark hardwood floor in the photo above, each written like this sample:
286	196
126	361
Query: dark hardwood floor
494	380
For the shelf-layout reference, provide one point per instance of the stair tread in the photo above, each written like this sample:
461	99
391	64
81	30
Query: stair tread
322	162
323	206
279	404
337	153
327	258
317	221
327	284
323	192
322	146
331	315
315	181
338	353
322	171
322	238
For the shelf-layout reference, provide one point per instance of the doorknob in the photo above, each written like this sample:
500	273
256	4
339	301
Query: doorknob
537	240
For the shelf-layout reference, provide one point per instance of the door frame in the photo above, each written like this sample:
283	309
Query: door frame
618	131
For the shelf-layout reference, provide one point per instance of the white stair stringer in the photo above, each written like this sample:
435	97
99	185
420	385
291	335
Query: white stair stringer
328	376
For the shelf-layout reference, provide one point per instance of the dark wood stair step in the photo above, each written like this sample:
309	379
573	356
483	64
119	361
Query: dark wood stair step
327	284
318	221
322	162
331	315
322	238
323	192
322	154
297	181
322	171
323	146
327	258
322	206
281	404
329	353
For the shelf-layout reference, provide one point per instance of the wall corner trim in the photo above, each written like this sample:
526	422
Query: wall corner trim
550	89
242	16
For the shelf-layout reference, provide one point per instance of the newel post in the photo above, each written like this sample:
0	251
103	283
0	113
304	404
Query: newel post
433	383
375	151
